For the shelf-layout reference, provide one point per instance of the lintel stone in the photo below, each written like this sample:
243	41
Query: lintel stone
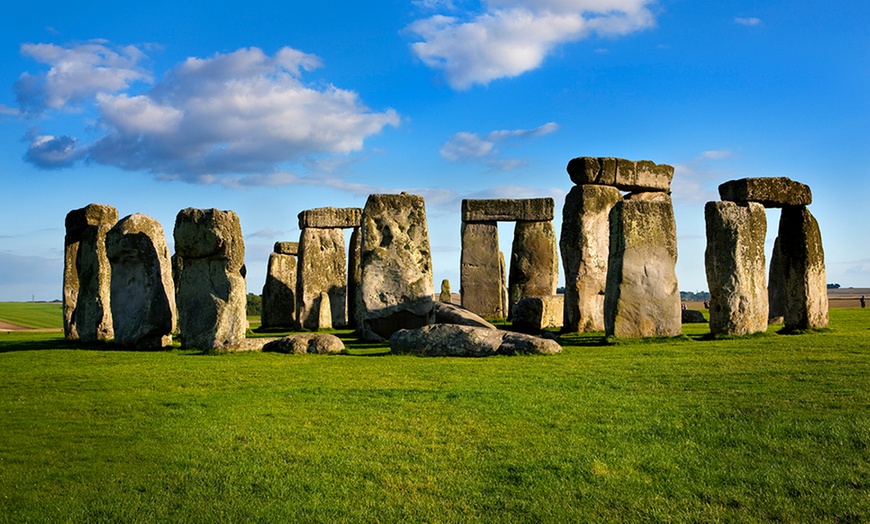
767	191
330	217
286	248
508	210
625	175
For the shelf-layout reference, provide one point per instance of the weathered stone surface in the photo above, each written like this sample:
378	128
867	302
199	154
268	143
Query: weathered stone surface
330	217
279	292
735	266
776	287
451	340
769	192
626	175
445	295
803	263
534	269
396	286
481	279
354	274
584	243
508	210
324	313
691	316
87	274
446	313
301	344
533	314
211	291
642	297
322	267
286	248
142	291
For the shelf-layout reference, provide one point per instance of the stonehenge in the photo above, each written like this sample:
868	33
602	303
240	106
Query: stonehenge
142	292
618	246
87	314
797	291
534	268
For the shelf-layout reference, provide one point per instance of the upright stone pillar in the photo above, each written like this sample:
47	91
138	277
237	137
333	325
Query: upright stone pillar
642	297
735	266
534	269
353	275
585	248
396	286
480	279
776	298
803	262
279	291
211	284
87	312
142	291
445	295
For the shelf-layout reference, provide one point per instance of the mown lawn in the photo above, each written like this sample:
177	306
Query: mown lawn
35	315
763	428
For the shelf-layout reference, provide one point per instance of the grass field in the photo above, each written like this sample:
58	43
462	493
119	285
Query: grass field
34	315
761	428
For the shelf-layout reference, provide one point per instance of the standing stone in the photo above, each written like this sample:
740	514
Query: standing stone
534	270
396	286
735	266
502	285
445	295
353	275
585	248
87	314
143	294
324	312
481	279
642	297
803	262
322	268
776	287
279	291
211	286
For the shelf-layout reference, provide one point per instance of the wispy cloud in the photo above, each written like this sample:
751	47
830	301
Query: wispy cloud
240	115
750	21
466	146
697	180
510	37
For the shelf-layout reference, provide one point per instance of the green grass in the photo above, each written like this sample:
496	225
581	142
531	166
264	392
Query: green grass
36	315
762	428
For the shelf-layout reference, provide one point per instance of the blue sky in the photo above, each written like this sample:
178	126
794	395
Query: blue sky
269	108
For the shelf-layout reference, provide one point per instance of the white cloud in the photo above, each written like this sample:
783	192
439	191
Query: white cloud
238	115
697	180
77	73
6	110
511	37
465	146
53	152
715	154
751	21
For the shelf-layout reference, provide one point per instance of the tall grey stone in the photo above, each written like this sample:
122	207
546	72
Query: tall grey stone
534	268
211	294
776	298
87	312
142	291
279	291
803	263
481	279
322	269
353	275
735	266
584	244
324	312
642	297
396	286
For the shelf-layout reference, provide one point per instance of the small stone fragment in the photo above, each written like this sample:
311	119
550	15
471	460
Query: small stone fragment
534	314
306	343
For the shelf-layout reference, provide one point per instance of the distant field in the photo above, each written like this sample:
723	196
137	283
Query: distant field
33	315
